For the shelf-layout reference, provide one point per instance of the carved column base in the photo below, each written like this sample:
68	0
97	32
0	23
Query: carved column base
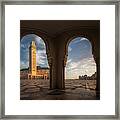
55	92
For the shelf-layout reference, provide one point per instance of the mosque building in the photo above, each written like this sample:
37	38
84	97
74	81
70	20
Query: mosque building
34	71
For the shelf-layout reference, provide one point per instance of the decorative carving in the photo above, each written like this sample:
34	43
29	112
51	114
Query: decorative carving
65	59
49	57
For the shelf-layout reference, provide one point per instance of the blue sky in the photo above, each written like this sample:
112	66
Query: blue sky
24	50
79	62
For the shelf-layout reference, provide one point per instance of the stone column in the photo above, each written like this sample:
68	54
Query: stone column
59	64
96	56
98	76
52	66
60	84
64	65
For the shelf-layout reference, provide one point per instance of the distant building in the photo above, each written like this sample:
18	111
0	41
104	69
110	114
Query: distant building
34	72
24	73
85	77
94	76
42	73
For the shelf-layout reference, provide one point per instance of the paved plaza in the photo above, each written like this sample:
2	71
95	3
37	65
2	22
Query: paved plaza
74	90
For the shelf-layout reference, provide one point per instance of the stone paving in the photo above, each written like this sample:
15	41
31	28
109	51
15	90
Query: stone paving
74	90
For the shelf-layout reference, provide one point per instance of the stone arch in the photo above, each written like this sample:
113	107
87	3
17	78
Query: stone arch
47	46
57	38
94	39
45	37
72	39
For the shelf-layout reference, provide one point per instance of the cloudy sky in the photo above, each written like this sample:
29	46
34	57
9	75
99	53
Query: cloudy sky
24	50
79	62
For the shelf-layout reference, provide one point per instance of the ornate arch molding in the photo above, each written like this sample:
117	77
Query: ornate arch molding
46	38
94	39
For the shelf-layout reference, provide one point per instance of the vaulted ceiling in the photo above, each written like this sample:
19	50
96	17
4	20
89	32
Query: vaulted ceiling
53	27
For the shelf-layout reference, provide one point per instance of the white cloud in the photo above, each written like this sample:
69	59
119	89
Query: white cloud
82	67
41	57
40	61
73	65
40	52
69	49
23	46
39	40
83	39
76	41
69	60
24	64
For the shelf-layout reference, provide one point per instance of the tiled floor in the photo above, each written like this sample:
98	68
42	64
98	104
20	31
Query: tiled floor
74	90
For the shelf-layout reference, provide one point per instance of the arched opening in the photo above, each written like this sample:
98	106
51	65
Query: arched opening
80	69
34	67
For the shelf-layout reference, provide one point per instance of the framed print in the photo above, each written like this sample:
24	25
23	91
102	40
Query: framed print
60	60
79	73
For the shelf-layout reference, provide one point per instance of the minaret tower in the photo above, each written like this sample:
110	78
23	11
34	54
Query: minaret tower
32	59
